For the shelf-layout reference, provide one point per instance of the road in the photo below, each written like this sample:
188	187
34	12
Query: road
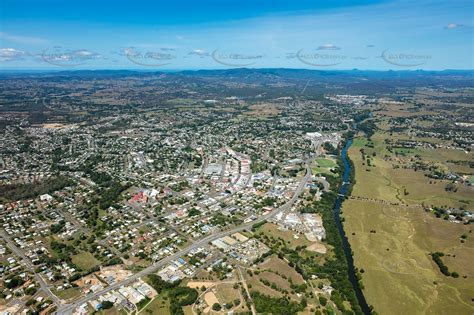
67	309
29	264
324	182
244	284
71	218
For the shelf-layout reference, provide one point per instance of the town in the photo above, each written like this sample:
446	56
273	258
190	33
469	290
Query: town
189	202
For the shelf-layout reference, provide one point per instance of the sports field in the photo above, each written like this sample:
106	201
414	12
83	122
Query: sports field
85	260
323	166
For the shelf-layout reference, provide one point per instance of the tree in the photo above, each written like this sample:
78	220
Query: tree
323	301
14	282
450	187
181	296
107	304
216	307
30	291
30	302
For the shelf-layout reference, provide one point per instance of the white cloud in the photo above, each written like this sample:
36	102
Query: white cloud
452	26
11	54
199	52
328	47
131	52
76	57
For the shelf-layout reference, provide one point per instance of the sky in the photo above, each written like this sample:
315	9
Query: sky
175	35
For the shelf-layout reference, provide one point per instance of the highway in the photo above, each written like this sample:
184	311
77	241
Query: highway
69	308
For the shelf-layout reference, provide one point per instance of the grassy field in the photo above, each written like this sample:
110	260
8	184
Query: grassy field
276	278
223	293
277	265
443	156
159	306
256	284
188	310
226	293
382	181
280	276
421	191
323	166
85	260
392	243
181	101
262	111
327	163
271	229
68	293
111	311
397	253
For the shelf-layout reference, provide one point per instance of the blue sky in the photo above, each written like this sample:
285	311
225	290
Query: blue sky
159	35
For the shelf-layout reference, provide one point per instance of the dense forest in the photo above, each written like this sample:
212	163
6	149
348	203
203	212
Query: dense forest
13	192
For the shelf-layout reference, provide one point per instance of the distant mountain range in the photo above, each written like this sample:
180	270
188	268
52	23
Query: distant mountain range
270	77
286	72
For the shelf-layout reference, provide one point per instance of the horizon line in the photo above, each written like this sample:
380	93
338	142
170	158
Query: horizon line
13	70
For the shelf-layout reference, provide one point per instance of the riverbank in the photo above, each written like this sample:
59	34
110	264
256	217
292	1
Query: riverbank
344	191
391	243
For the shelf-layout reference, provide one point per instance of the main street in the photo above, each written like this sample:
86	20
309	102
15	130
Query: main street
68	309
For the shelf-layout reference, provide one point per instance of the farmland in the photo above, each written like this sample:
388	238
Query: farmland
392	230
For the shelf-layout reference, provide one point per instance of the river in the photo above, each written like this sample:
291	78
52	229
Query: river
345	243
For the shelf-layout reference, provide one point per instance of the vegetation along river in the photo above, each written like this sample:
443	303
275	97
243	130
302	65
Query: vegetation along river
345	243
